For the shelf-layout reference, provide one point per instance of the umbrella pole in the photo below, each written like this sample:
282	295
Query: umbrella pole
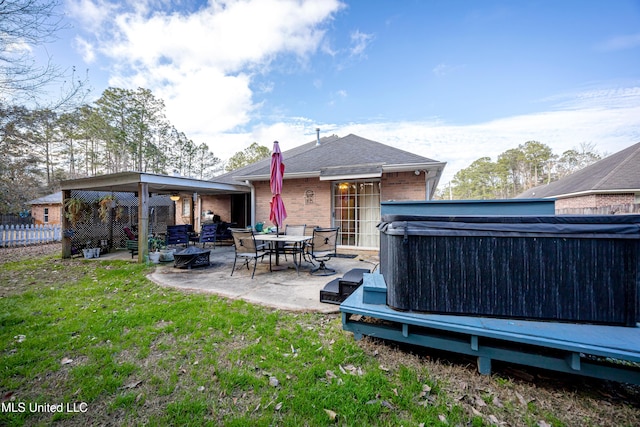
277	249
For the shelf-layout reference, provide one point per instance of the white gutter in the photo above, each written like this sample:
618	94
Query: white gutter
350	177
253	202
406	167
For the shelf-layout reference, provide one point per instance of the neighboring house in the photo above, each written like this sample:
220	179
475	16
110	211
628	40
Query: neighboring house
47	209
612	181
331	181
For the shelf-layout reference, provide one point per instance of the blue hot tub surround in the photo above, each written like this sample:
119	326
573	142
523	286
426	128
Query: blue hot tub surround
469	207
560	268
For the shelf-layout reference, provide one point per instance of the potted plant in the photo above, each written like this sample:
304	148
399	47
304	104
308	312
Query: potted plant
105	204
74	209
155	245
166	254
119	212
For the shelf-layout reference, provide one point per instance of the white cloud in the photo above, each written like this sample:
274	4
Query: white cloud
442	69
201	64
86	50
359	43
92	15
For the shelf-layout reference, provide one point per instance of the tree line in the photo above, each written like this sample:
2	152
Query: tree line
516	170
124	130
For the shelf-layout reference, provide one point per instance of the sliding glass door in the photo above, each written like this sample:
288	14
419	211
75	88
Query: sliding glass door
357	212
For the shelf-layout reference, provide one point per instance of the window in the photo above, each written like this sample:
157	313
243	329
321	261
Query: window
186	206
46	215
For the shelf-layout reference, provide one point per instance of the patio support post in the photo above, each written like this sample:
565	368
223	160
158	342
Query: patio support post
143	221
66	225
252	209
192	219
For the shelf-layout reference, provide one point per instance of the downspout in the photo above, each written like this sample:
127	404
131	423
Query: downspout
253	202
427	184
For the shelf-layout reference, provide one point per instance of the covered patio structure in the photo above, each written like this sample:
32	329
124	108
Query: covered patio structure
141	187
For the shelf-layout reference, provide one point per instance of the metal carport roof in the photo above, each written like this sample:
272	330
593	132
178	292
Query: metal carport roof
160	184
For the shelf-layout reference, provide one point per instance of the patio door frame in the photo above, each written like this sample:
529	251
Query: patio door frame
355	229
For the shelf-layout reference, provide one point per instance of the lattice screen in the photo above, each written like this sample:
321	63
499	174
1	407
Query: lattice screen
92	231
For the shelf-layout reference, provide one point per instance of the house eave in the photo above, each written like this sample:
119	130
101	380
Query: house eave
161	184
405	167
593	192
410	167
287	175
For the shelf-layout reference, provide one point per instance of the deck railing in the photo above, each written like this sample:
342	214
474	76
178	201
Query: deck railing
24	235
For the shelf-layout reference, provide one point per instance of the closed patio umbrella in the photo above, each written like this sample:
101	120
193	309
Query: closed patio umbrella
278	212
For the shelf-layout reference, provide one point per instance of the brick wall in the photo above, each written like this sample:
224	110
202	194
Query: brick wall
403	186
316	210
301	208
37	212
219	205
595	201
180	219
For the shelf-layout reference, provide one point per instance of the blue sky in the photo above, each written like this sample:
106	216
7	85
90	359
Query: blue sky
450	80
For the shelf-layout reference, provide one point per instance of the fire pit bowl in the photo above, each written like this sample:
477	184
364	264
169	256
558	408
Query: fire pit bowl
191	257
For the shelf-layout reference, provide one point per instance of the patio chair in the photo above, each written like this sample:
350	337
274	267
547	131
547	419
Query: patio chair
177	235
208	234
244	244
132	241
130	234
322	248
293	230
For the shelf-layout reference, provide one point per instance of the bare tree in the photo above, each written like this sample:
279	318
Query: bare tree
25	24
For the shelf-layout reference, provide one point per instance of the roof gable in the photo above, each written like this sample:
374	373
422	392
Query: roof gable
617	172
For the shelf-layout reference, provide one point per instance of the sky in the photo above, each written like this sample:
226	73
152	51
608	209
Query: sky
451	80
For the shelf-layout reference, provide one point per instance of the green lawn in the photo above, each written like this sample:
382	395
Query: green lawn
99	338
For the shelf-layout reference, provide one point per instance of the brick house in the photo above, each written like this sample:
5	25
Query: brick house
332	181
614	180
47	209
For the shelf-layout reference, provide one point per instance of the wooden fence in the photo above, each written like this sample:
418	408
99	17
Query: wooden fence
629	208
23	235
13	219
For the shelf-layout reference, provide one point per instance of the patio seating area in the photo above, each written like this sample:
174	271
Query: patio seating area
282	289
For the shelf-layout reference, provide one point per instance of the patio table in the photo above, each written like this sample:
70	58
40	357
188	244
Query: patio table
276	239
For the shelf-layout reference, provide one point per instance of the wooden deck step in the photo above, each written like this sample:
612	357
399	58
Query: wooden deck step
599	351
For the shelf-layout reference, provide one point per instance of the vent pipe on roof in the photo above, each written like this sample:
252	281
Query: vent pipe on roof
317	137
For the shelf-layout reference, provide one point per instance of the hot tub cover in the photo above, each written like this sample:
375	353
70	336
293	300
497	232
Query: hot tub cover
568	226
561	268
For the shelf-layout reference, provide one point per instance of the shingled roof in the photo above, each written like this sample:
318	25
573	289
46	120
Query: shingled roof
335	157
49	199
619	172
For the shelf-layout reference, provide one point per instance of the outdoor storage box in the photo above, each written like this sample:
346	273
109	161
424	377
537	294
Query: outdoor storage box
560	268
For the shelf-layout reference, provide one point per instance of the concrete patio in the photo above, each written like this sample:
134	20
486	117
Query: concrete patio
283	289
